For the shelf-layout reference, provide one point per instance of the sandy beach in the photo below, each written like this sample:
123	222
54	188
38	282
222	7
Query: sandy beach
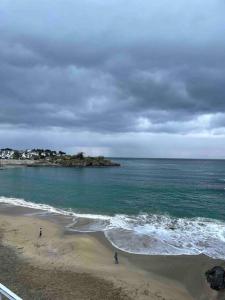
65	265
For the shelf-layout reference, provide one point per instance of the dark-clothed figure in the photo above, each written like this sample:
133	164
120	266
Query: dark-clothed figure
40	233
116	258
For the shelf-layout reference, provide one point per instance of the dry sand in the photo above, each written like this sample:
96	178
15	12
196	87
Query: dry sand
60	265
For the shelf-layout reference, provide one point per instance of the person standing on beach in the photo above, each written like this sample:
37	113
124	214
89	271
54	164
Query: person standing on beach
40	233
116	258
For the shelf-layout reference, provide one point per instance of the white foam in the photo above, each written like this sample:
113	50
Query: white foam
48	208
147	234
155	234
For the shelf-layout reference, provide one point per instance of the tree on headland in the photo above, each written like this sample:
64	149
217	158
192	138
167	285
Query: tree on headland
79	155
62	153
16	154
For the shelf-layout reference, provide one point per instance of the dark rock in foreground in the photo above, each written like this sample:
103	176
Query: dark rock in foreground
216	278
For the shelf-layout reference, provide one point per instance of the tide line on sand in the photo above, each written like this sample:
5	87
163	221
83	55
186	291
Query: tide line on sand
58	252
146	234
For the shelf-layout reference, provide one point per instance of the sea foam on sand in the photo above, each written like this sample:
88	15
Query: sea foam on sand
148	234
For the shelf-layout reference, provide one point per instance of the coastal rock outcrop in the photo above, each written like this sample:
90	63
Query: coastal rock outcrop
216	278
49	158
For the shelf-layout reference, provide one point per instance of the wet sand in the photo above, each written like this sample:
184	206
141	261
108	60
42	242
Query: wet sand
64	265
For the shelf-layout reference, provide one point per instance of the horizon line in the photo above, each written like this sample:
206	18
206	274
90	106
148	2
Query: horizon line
157	158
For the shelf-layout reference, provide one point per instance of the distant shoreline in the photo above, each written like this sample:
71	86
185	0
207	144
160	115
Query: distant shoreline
24	162
45	163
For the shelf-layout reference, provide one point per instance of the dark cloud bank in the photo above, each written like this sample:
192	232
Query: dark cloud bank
129	78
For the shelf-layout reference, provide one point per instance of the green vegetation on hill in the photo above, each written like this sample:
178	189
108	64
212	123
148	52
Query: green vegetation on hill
80	160
46	157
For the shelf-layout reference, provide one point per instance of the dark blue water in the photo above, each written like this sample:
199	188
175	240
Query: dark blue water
180	188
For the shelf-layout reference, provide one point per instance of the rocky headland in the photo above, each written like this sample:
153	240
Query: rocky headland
48	158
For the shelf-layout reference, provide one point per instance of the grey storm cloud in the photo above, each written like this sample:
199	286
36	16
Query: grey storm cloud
113	66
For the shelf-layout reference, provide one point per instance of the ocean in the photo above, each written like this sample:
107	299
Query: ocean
146	206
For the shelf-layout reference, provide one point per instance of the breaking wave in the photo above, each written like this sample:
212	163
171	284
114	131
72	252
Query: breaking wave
148	234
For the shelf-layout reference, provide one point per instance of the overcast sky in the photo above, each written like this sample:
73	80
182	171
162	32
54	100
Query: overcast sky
117	77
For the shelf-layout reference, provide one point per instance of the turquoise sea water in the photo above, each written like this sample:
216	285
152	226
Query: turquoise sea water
152	201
